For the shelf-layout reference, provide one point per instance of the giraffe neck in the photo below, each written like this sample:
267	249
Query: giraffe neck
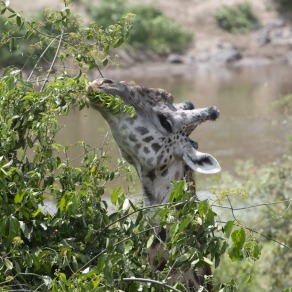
157	183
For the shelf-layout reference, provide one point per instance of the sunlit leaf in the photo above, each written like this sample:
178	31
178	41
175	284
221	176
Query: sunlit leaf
150	241
8	264
228	228
126	204
238	237
115	194
206	260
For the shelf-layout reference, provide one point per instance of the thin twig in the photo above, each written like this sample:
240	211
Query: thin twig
54	61
40	57
232	211
145	280
131	213
260	234
252	230
253	206
104	250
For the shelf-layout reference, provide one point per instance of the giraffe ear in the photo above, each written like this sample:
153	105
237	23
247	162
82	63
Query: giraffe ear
201	162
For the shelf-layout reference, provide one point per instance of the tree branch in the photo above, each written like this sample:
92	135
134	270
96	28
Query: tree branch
253	206
40	57
54	61
146	280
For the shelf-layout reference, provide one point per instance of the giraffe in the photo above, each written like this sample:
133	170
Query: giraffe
156	142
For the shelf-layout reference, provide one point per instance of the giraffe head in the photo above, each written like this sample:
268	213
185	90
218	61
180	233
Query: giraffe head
156	141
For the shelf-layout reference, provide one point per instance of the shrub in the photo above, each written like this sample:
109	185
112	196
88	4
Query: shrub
151	31
271	183
237	18
11	52
284	4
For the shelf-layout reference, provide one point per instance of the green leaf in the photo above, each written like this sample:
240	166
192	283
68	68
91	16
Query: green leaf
128	246
179	188
150	241
19	196
108	273
18	21
119	42
34	214
249	280
228	228
206	260
184	224
203	208
234	253
62	203
217	260
104	61
126	204
256	250
14	227
8	264
183	258
238	238
115	194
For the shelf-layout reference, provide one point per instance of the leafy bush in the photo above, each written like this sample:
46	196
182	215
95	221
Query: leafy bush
19	54
237	18
272	184
284	4
151	31
284	103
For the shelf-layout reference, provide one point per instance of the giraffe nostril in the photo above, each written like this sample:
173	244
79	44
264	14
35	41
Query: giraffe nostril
107	81
189	105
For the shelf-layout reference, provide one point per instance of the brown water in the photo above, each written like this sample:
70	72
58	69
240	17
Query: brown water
247	127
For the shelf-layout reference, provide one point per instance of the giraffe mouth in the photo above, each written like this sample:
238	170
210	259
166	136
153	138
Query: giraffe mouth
93	86
95	94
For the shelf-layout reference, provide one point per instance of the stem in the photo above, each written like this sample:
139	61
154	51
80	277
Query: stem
252	206
54	61
131	213
150	281
104	250
40	57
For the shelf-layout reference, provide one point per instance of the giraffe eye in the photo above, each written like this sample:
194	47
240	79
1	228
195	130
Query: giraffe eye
165	123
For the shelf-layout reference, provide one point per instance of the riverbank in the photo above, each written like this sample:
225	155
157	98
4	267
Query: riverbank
211	46
271	43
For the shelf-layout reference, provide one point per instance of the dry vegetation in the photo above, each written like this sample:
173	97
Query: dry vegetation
197	16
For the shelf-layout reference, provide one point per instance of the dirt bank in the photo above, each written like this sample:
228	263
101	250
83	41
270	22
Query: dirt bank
271	43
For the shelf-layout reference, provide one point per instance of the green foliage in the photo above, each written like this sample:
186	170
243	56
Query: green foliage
271	221
238	18
10	53
284	4
151	31
284	103
35	42
114	104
